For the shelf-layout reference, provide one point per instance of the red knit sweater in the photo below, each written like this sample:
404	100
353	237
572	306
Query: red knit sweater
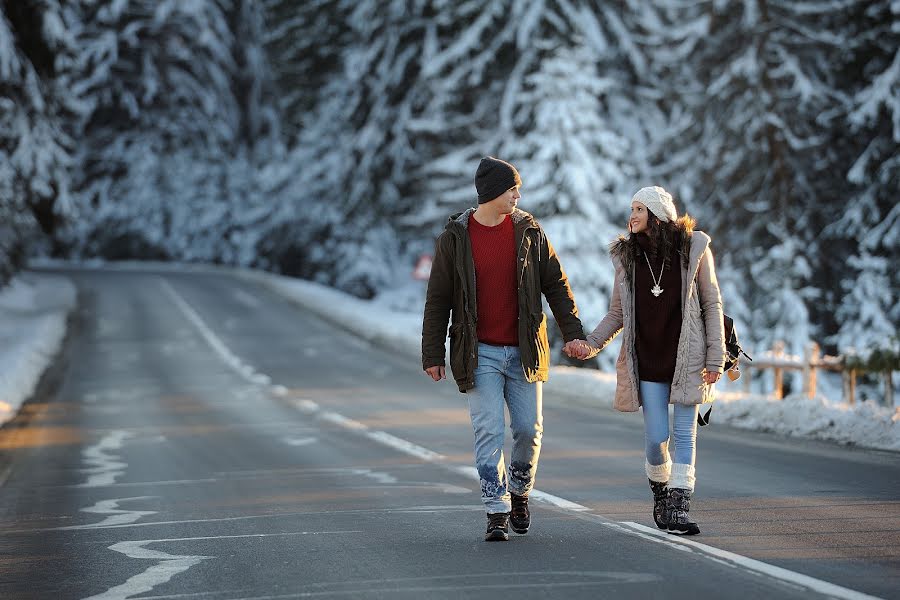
494	253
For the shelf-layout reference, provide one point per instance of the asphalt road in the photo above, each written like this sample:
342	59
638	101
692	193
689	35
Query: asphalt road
200	437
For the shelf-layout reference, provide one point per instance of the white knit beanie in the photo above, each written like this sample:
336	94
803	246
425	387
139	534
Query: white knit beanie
658	201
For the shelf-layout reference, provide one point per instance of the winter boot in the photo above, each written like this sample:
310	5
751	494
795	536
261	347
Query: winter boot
659	479
677	506
497	527
519	518
660	493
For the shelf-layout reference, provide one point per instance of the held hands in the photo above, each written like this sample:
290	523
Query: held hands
577	349
436	372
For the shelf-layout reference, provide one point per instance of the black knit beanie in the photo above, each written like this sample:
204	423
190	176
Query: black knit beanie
494	177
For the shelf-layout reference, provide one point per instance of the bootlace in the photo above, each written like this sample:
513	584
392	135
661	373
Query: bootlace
498	520
519	506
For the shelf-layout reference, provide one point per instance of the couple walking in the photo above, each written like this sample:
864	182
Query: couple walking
491	266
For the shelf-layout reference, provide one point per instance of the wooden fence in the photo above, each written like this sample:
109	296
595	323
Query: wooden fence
810	364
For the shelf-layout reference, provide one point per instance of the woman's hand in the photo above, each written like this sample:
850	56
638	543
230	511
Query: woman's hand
577	349
710	377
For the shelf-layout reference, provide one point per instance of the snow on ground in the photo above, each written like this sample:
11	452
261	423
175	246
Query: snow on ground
33	315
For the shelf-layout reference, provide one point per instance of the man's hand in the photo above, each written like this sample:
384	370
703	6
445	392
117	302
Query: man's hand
436	372
710	377
577	349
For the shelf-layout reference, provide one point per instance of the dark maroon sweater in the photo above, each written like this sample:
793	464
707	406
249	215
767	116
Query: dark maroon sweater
657	319
494	254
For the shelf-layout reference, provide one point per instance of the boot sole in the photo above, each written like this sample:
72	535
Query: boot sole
520	531
679	532
497	535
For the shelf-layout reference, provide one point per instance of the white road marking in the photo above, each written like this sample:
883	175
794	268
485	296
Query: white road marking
736	560
404	446
635	529
160	573
247	372
287	515
290	441
333	417
427	586
117	516
146	483
106	465
170	565
107	468
306	406
376	475
246	299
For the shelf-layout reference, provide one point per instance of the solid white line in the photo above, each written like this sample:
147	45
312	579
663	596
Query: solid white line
247	372
816	585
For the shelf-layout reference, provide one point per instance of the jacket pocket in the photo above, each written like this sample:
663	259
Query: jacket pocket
540	341
460	349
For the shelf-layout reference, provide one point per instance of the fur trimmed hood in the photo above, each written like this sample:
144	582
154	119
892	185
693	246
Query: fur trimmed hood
624	250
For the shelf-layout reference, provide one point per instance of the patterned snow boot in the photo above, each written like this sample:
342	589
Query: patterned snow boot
660	494
678	505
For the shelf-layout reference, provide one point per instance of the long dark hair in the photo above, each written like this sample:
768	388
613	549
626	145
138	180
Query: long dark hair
668	238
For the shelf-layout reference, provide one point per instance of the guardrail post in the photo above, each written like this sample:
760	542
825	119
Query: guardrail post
888	389
849	379
810	361
778	353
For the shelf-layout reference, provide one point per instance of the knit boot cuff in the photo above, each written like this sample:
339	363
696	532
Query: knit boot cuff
658	473
682	477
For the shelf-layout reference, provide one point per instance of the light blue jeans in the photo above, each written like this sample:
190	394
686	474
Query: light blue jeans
500	381
655	402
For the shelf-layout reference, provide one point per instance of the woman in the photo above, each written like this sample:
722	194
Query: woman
666	300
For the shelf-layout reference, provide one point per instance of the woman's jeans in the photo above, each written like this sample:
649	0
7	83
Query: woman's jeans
500	381
655	401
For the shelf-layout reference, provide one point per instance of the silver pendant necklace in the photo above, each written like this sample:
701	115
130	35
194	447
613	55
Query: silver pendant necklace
655	290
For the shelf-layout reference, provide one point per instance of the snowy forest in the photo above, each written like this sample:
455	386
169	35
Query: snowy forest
331	139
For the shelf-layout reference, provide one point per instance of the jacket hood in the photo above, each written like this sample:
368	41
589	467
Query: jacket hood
621	251
462	218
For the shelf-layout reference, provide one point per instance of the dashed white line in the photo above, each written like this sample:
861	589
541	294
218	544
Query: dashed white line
247	372
402	445
306	441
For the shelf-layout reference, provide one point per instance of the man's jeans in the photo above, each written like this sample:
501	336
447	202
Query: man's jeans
655	401
500	380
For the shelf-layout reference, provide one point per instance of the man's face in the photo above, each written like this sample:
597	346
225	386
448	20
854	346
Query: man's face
506	202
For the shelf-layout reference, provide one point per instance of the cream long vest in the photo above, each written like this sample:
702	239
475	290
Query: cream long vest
701	346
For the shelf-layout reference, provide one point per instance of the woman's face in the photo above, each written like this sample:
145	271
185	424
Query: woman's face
638	220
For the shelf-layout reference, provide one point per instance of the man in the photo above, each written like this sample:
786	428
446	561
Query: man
491	265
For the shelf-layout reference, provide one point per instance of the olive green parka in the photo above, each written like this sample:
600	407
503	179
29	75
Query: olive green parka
451	297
